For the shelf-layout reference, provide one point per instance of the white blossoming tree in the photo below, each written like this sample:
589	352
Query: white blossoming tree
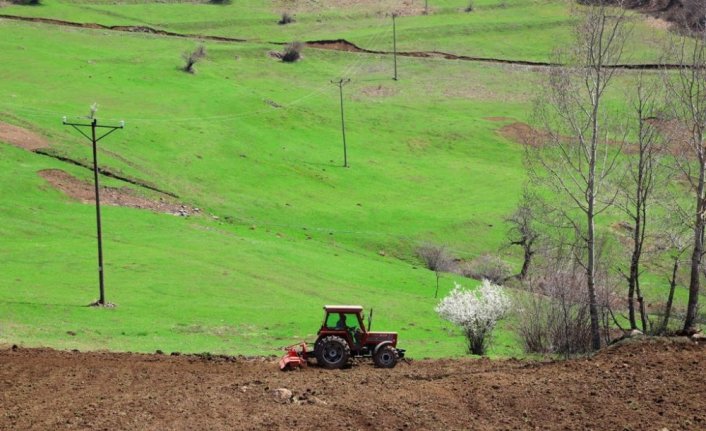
476	312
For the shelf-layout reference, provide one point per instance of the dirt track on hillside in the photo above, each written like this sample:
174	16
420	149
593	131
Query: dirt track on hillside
637	386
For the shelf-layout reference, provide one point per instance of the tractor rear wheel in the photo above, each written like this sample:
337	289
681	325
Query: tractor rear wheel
332	352
386	357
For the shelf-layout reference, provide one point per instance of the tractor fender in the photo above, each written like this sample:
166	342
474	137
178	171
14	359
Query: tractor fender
379	346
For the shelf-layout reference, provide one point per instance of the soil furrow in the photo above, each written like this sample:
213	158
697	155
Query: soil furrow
642	385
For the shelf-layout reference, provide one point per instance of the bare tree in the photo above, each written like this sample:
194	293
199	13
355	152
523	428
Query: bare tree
292	52
193	57
578	158
436	259
687	90
523	230
554	311
639	189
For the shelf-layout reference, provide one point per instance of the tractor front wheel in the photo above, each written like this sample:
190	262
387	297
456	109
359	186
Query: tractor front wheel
332	352
386	357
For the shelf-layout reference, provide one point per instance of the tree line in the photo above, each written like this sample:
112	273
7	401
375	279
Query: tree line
593	160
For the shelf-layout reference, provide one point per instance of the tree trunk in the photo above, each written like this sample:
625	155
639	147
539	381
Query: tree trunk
591	279
591	200
638	239
643	311
634	273
436	292
695	280
670	298
526	263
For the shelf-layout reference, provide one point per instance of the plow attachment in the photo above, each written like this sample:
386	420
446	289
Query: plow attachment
294	358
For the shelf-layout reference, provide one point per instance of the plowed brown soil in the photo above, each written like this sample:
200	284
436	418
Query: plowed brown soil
647	385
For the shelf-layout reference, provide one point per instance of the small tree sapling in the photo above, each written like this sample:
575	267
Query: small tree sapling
476	312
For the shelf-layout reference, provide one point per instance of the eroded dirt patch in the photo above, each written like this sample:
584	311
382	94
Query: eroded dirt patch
377	91
336	45
658	23
647	385
524	134
21	137
84	191
369	7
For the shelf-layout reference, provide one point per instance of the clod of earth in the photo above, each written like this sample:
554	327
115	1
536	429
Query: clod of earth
282	395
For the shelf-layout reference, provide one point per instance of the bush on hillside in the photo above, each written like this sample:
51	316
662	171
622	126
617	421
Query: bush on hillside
286	19
25	2
554	314
292	52
434	257
488	267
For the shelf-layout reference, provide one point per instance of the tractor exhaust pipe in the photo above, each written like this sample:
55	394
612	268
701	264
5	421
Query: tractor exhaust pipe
370	320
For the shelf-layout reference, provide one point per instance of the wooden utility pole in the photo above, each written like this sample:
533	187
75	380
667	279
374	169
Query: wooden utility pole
341	82
394	43
94	141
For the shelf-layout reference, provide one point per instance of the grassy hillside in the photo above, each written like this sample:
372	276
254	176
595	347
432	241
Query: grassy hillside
256	145
508	29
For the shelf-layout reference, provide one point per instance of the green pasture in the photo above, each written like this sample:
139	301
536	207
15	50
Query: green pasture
295	230
256	145
506	29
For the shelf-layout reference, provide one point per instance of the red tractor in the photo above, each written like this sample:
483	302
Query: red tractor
343	335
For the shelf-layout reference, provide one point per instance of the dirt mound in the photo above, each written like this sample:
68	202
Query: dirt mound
635	386
22	138
124	197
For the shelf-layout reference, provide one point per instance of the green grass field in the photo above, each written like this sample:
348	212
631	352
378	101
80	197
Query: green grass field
256	145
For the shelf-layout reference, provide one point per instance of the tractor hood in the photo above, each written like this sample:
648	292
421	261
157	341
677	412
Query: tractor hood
379	337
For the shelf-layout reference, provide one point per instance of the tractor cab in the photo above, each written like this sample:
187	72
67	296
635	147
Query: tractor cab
345	321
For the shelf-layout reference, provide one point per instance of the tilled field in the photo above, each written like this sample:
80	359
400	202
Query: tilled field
646	385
